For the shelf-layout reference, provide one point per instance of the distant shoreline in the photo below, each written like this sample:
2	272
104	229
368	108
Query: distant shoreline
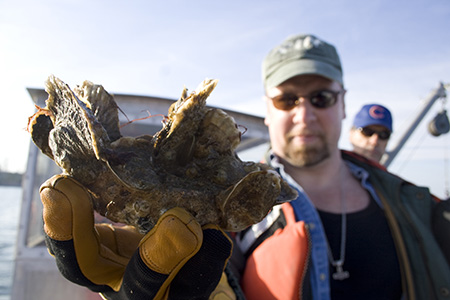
10	179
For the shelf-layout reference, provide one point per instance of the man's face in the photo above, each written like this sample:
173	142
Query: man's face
368	143
305	135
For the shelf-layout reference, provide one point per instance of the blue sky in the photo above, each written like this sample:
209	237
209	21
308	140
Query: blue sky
393	52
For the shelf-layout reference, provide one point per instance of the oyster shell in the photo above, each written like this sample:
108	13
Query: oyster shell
191	162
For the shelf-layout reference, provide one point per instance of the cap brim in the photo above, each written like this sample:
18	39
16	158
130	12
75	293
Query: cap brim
303	67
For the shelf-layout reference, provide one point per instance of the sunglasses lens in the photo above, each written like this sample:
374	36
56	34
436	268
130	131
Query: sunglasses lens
285	101
366	131
323	99
382	134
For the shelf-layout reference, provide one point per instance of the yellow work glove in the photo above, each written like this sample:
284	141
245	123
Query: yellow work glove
177	259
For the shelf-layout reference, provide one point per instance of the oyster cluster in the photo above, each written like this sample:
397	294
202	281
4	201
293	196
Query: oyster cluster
190	163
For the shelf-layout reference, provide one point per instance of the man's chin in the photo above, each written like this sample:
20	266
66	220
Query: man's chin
374	155
308	158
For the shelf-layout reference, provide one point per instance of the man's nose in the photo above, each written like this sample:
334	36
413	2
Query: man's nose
304	112
374	139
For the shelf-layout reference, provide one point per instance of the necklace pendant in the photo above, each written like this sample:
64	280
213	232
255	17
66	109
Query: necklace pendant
340	273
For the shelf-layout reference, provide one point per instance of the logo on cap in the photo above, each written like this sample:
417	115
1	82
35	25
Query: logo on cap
377	112
301	43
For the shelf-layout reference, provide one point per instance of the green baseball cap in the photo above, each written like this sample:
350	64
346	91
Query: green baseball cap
300	55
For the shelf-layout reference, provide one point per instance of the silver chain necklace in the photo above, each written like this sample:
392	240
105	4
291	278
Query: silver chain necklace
340	274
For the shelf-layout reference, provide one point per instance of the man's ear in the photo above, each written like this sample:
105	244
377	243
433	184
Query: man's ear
343	103
267	118
351	134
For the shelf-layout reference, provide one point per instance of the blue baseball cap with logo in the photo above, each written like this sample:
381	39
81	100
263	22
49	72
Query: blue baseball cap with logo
373	114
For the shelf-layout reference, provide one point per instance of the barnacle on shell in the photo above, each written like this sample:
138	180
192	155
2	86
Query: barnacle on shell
191	162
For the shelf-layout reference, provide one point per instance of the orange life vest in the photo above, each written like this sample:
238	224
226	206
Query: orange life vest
276	268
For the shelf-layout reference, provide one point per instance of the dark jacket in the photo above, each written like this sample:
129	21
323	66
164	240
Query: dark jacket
419	227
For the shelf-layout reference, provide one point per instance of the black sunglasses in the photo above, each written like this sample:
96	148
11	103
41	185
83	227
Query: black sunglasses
383	134
320	99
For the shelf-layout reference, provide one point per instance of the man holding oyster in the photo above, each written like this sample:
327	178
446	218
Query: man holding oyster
355	231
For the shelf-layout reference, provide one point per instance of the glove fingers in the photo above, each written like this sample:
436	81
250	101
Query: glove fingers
122	241
201	274
68	216
175	238
67	264
57	207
